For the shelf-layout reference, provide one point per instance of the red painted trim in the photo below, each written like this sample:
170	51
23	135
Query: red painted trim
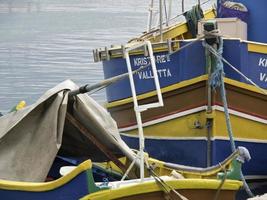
243	111
165	115
192	107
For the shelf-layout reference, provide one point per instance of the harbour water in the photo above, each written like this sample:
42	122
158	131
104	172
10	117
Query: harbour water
43	42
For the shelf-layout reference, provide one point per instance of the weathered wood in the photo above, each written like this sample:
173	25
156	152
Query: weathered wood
95	141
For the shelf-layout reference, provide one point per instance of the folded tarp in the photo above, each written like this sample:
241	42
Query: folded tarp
31	138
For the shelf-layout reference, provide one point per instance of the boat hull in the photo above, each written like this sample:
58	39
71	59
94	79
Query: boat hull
185	131
74	190
190	194
74	185
248	57
193	152
190	188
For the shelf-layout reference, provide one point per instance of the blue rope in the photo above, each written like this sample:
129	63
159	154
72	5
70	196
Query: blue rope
216	80
217	75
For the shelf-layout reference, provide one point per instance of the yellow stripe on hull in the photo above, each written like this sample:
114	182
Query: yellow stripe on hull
149	187
45	186
163	90
242	128
185	127
257	47
183	84
179	127
179	30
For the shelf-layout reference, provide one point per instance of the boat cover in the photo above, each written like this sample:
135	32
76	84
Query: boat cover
31	138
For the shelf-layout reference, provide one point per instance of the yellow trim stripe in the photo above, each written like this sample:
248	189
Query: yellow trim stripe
178	30
159	48
163	90
42	187
257	47
242	127
182	84
152	186
244	86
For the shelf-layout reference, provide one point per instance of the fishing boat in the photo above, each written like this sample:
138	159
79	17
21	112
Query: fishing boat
55	125
188	189
65	123
209	107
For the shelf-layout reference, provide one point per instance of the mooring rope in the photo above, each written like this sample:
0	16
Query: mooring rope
217	54
217	81
221	184
105	83
219	76
166	188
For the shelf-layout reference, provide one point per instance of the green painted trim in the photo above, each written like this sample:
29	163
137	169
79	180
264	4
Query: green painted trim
92	187
234	173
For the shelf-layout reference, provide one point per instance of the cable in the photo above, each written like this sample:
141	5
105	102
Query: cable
217	76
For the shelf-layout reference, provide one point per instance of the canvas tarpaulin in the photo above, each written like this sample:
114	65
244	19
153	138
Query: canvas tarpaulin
31	138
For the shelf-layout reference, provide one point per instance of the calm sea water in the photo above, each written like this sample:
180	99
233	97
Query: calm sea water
43	42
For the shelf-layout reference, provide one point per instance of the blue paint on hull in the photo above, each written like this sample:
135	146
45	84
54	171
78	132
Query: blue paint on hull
185	152
194	152
75	189
184	65
257	164
170	71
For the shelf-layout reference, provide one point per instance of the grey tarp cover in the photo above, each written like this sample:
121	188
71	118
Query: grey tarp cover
31	138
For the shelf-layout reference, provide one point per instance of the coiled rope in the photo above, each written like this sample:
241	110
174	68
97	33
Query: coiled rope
192	17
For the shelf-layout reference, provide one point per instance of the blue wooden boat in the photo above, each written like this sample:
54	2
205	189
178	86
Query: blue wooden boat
56	126
191	128
76	184
59	124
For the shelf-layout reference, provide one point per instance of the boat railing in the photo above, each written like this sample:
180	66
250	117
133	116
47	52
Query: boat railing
167	12
183	10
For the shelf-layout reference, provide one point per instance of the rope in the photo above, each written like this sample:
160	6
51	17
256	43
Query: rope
105	83
221	184
167	188
181	14
214	82
192	17
215	33
217	81
214	52
155	29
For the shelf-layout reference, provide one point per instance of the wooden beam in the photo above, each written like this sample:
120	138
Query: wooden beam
95	141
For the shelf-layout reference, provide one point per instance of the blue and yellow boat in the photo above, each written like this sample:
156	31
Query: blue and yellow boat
191	128
60	124
74	185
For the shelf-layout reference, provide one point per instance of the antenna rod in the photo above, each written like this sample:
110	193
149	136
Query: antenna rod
170	10
160	20
150	15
